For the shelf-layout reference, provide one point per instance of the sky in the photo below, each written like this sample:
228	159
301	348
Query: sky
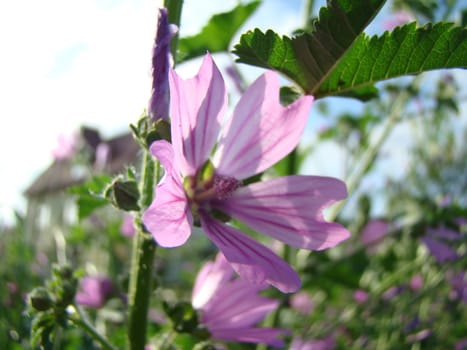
68	63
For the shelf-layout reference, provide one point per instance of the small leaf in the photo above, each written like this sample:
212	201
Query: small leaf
90	195
217	34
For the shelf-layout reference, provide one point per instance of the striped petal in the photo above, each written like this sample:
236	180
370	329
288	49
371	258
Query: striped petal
268	336
261	131
209	280
237	305
251	260
168	217
197	108
290	209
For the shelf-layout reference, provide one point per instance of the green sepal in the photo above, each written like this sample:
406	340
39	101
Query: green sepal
206	173
123	194
40	299
160	131
183	316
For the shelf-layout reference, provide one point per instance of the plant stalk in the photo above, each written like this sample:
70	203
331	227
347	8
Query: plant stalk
141	276
174	10
83	323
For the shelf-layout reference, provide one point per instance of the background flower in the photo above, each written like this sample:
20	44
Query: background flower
230	306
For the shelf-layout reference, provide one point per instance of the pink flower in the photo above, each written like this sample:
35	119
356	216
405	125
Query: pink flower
399	18
198	188
230	307
360	296
317	344
416	282
66	147
302	303
94	291
374	232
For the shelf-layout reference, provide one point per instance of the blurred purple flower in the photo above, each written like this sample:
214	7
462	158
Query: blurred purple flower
419	336
444	201
461	222
66	147
440	251
461	344
328	343
230	306
128	228
159	101
103	156
234	74
399	18
302	302
360	296
260	132
416	282
459	286
374	232
94	291
443	232
392	292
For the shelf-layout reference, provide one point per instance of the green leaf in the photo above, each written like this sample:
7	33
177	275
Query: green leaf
407	50
217	34
307	58
90	195
337	58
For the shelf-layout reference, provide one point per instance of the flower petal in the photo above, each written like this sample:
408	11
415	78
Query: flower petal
290	209
197	108
209	280
237	305
251	260
268	336
440	251
168	217
261	131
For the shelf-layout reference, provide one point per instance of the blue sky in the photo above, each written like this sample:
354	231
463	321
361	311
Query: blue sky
68	63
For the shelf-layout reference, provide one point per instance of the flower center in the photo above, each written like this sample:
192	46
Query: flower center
205	186
220	187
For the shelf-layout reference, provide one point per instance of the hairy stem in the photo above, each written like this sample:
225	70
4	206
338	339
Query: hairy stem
371	154
141	276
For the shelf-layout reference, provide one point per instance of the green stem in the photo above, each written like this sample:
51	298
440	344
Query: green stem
174	9
141	276
370	156
307	13
83	323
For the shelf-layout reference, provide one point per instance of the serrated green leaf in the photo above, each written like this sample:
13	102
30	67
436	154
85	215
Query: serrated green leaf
337	58
217	34
407	50
307	58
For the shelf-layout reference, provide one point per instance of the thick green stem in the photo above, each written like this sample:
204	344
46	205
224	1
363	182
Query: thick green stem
83	323
141	276
174	9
